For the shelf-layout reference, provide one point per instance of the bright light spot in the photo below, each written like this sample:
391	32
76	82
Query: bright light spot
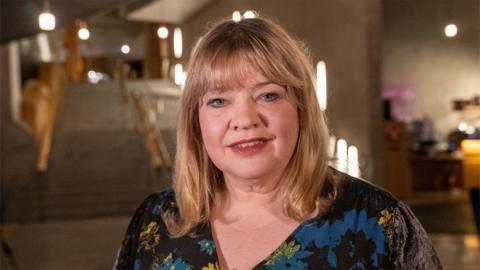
471	241
177	42
236	16
342	149
83	33
44	47
353	168
462	126
184	80
451	30
470	130
249	14
179	76
162	32
46	21
331	145
95	77
322	85
342	155
125	49
91	74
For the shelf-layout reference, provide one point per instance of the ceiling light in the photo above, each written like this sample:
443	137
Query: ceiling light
125	49
451	30
83	33
46	21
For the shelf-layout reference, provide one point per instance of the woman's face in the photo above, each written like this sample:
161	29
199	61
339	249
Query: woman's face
250	131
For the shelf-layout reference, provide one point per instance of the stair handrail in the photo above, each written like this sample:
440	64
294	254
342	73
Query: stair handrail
140	98
53	75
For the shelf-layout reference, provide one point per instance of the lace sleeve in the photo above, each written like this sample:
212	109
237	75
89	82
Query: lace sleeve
411	246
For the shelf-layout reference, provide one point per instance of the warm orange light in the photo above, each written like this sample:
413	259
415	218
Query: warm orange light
471	147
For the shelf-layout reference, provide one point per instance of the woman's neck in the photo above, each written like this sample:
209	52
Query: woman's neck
241	198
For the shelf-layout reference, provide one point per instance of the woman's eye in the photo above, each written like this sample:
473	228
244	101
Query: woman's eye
271	96
216	102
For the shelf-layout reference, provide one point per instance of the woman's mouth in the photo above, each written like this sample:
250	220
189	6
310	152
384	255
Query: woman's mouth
249	147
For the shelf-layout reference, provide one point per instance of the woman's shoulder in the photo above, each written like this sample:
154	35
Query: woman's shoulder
146	227
352	192
157	203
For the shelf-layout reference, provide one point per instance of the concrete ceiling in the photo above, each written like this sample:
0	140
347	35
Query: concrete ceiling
19	18
168	11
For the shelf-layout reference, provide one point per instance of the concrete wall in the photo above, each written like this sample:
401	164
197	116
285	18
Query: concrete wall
417	54
18	147
338	32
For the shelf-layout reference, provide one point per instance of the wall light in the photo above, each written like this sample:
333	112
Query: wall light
162	32
451	30
236	16
353	167
179	75
249	14
322	85
342	155
177	42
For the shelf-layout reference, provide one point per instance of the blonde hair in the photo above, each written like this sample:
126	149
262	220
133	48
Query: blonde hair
268	49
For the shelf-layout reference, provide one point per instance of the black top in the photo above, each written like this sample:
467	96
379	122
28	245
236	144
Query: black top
365	228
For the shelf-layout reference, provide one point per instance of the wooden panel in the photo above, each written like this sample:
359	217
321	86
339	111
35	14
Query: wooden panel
397	170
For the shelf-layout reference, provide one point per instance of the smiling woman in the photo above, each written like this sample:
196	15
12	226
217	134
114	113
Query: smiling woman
252	189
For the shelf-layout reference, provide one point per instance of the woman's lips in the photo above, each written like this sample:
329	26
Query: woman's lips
249	147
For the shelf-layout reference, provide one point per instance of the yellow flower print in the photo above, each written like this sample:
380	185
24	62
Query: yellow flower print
285	249
211	266
386	219
149	237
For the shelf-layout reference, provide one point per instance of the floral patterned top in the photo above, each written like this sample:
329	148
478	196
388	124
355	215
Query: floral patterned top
365	228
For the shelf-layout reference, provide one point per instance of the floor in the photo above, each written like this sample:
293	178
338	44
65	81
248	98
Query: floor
92	244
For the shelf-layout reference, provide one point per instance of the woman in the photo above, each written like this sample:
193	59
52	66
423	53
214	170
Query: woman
252	189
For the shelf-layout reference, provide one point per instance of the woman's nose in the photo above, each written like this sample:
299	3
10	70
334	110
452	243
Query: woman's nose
245	116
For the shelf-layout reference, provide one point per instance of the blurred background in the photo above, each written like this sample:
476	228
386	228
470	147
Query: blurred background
89	99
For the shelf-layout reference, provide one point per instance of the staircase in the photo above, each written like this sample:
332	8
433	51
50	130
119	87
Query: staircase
98	164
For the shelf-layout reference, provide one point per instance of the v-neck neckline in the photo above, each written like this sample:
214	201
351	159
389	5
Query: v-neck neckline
259	265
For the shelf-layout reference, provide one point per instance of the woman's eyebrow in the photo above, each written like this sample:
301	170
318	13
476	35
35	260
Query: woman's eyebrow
262	84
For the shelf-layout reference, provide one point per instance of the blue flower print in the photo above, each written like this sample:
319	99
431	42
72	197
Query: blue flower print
207	246
170	264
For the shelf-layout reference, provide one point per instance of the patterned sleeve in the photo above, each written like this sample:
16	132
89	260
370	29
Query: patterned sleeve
126	254
411	246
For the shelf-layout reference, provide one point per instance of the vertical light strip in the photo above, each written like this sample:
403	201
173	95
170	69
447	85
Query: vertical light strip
331	146
353	168
322	85
177	42
44	48
14	72
342	155
178	77
236	16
